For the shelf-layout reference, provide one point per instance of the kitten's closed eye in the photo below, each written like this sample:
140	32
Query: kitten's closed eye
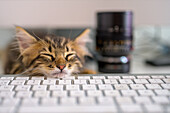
70	56
50	66
49	56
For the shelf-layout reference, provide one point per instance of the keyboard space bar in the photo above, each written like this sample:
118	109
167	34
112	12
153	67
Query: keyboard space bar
68	109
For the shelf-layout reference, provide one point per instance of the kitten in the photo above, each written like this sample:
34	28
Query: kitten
50	55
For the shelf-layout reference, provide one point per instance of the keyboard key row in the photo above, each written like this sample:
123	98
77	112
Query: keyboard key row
84	82
86	101
84	87
90	93
106	76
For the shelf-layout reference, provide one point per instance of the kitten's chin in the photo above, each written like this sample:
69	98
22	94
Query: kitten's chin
59	75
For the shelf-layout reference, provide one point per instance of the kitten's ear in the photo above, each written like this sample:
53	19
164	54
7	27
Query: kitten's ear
24	38
82	40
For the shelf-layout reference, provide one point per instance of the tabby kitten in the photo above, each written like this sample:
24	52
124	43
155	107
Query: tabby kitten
50	55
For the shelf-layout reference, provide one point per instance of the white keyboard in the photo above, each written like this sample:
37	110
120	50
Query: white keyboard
104	93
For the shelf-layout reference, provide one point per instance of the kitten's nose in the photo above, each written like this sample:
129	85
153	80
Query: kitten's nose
61	67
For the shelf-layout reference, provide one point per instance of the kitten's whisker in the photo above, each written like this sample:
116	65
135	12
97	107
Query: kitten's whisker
31	69
70	34
19	56
15	43
14	49
32	73
27	70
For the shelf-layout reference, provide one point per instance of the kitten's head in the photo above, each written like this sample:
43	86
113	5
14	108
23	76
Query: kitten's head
52	55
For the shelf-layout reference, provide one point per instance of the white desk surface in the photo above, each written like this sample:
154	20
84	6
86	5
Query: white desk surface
138	66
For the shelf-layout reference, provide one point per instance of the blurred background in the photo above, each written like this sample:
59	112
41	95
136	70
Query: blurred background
151	25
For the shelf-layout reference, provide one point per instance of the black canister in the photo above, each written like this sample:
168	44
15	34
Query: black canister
114	37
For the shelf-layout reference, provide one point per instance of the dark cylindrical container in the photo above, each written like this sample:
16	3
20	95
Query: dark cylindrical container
117	64
114	40
110	19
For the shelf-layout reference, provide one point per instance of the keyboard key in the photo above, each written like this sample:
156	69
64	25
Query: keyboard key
125	81
69	78
23	88
146	93
56	87
87	101
72	87
98	77
0	98
7	109
166	86
94	93
68	101
65	82
59	94
10	101
142	100
162	92
167	80
30	102
91	81
153	86
157	77
6	94
37	78
155	81
52	78
49	82
161	99
137	86
128	77
39	87
143	77
128	92
106	101
110	81
6	88
167	76
168	109
78	82
22	78
105	87
33	82
49	101
4	82
24	94
18	82
141	81
83	77
132	108
121	86
42	94
113	93
113	77
7	78
77	93
153	108
124	100
89	87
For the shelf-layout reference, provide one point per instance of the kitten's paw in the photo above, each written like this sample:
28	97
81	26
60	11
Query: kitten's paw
88	71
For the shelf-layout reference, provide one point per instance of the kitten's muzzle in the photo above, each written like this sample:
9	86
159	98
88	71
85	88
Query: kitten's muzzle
61	67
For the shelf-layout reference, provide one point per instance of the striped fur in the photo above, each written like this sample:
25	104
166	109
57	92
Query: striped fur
45	55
